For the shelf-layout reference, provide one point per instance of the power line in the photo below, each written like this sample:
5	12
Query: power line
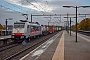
34	6
40	19
39	5
49	5
42	8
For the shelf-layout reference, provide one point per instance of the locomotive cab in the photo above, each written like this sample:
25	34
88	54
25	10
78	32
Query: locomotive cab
18	32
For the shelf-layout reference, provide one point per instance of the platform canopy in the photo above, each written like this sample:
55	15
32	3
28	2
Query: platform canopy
1	27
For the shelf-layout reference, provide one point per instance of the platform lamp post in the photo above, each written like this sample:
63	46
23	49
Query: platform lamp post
70	23
76	14
6	23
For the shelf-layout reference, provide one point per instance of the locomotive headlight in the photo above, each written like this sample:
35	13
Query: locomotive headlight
13	34
22	36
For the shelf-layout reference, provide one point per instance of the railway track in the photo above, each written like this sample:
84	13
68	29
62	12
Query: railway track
8	47
8	54
36	44
84	32
25	49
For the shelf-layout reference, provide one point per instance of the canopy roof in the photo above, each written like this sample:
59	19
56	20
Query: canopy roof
1	27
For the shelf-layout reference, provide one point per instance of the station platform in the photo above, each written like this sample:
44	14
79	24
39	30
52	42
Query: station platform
5	37
63	47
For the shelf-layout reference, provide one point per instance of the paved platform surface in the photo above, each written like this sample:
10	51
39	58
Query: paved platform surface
65	48
79	50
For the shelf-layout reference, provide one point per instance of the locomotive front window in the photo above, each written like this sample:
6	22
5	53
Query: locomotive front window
18	25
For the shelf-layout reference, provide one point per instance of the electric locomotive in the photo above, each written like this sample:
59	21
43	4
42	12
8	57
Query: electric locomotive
24	30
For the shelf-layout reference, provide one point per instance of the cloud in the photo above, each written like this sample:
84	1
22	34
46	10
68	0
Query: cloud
45	6
49	7
32	4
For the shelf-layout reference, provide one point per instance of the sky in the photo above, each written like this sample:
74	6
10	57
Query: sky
15	8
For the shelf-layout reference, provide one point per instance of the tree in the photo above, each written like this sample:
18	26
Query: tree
84	24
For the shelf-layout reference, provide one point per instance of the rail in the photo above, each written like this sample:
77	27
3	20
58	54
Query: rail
84	32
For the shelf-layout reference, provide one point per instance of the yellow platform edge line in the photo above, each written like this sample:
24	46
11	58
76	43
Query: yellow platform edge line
59	52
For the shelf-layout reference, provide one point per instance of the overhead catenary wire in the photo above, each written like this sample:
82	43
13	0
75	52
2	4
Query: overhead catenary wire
42	8
21	8
40	19
37	7
11	8
38	4
49	5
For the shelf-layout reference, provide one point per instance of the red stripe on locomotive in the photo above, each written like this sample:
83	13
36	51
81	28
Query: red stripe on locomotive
18	34
34	31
